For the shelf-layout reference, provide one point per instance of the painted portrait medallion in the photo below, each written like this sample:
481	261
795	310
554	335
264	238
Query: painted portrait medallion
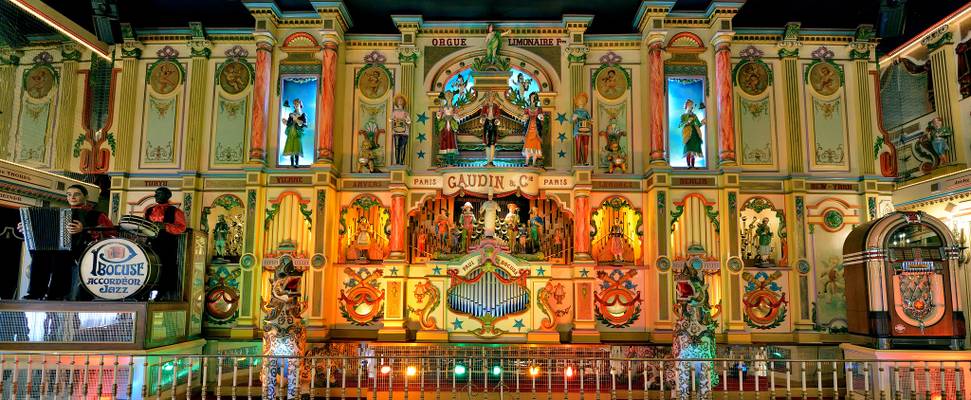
165	77
611	83
824	78
39	82
373	82
234	77
753	78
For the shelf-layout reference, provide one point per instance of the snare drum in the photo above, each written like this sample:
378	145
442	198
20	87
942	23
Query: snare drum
118	268
138	225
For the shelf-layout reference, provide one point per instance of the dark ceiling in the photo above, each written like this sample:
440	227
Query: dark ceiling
610	16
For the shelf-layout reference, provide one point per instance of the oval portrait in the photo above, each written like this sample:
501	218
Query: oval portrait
824	78
753	78
39	82
374	82
234	77
611	83
165	77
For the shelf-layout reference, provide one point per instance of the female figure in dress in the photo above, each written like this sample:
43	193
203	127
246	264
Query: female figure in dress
296	123
512	225
691	133
400	128
493	42
533	147
448	148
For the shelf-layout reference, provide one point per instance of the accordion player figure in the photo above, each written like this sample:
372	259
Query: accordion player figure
56	240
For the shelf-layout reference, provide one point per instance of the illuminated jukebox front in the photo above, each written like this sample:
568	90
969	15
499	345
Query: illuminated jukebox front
901	289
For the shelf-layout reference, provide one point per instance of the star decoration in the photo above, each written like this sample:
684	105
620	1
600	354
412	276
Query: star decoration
561	117
457	324
540	271
437	271
584	273
422	137
421	118
519	325
421	154
561	154
562	137
394	271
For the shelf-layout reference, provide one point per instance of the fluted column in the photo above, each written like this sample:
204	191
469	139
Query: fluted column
726	107
261	97
943	60
126	133
325	116
407	57
9	60
198	83
658	104
581	226
865	109
792	80
67	110
398	224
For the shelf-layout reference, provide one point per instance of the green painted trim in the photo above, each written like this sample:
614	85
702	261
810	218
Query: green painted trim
738	67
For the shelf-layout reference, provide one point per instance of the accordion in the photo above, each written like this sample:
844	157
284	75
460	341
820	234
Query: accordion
46	228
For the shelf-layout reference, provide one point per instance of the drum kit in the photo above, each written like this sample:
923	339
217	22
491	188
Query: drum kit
134	233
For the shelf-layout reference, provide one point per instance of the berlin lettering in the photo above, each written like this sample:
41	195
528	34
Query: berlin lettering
449	42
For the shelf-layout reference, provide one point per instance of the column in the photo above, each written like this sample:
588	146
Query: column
581	226
577	57
9	60
325	118
261	97
407	57
68	97
198	83
658	104
942	58
726	108
128	90
864	105
792	79
398	224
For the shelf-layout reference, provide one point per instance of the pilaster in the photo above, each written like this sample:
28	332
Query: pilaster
198	83
130	52
861	52
943	60
9	60
64	136
408	54
792	80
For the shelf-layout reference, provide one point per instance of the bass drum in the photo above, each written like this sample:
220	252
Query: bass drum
118	269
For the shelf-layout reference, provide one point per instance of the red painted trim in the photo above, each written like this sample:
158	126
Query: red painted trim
295	36
279	199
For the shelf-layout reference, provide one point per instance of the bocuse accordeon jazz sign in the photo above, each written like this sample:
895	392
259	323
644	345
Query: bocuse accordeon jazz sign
114	269
495	182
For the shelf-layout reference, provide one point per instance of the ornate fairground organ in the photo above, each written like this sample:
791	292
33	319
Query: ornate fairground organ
901	287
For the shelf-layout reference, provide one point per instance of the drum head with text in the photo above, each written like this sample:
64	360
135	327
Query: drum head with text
116	268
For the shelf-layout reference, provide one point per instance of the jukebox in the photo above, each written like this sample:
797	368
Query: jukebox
901	288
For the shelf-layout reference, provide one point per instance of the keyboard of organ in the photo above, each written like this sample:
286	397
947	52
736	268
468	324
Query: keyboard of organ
46	228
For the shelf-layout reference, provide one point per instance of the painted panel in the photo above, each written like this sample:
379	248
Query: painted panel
755	121
231	131
161	124
830	147
35	123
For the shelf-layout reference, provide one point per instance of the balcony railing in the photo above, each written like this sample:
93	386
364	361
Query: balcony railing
99	376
